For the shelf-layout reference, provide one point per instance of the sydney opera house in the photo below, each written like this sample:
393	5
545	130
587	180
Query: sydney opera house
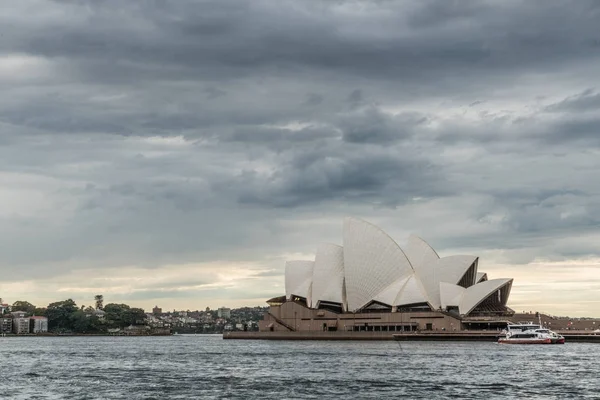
372	284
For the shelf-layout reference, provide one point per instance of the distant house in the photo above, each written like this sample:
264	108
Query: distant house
224	312
99	313
136	330
38	324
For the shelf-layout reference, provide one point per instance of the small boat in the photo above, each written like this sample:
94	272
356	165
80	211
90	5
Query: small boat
529	334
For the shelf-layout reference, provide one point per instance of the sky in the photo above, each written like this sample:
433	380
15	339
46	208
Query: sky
177	153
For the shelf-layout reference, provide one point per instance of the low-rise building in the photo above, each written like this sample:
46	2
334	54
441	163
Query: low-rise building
137	330
99	313
38	324
21	325
6	324
224	312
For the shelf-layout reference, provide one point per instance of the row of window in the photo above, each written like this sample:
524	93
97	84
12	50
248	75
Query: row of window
382	328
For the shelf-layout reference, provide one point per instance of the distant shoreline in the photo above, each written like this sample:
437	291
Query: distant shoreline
33	335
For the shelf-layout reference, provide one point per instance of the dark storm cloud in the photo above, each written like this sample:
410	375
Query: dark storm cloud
588	100
313	99
216	39
276	137
363	176
159	48
585	130
149	133
373	126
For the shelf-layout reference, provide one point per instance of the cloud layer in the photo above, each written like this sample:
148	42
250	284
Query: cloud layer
161	136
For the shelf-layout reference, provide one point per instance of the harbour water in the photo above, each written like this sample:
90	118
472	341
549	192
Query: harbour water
203	366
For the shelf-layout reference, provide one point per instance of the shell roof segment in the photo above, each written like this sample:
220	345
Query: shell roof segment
451	295
419	252
372	261
299	279
431	269
328	274
475	294
412	293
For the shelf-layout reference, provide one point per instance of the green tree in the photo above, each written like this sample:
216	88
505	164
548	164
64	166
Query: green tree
89	310
59	315
85	323
137	316
121	315
39	311
117	315
23	306
99	301
79	322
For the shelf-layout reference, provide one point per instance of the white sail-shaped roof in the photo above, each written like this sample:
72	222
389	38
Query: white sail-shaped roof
451	295
299	279
419	252
411	293
481	277
328	275
452	268
404	291
431	270
372	260
389	294
479	292
422	258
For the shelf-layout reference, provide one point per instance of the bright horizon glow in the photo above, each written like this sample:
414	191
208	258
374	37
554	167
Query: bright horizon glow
538	286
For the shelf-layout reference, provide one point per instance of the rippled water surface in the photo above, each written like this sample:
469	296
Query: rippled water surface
188	367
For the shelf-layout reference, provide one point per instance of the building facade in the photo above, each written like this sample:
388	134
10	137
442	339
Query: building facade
224	312
21	325
38	324
6	324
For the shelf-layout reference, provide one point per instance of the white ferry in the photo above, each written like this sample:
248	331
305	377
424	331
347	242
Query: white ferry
529	334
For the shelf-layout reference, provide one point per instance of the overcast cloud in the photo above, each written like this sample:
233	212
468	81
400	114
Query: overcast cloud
178	152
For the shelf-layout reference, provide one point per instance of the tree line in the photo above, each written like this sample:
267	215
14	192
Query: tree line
66	317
